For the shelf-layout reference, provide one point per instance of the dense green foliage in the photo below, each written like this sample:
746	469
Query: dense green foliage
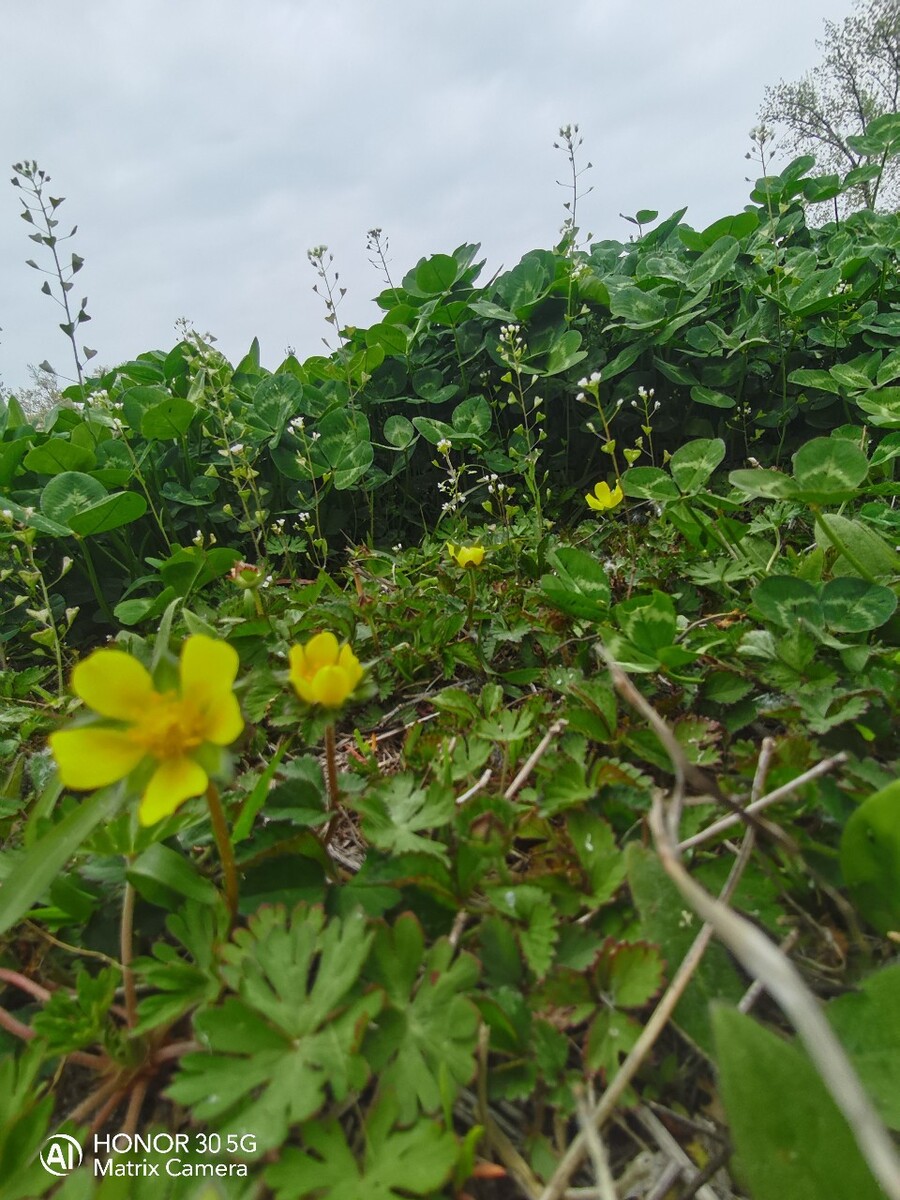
423	983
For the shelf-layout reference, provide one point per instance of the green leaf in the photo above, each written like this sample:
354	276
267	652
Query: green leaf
816	293
528	282
435	431
399	432
57	455
392	338
38	866
637	309
869	549
537	922
161	875
784	600
714	263
168	419
578	585
856	606
866	1022
137	400
693	463
428	1034
870	858
110	513
821	380
850	376
610	1037
69	493
564	353
397	815
414	1161
345	445
649	483
601	859
649	622
293	1034
563	785
665	920
789	1136
472	418
882	407
435	276
629	974
711	398
829	470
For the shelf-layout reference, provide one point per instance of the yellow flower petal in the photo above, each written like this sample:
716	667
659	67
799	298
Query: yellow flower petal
208	670
113	683
332	686
323	672
466	556
320	651
602	499
303	687
351	664
93	757
174	781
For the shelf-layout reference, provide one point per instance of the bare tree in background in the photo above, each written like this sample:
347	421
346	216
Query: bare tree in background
827	111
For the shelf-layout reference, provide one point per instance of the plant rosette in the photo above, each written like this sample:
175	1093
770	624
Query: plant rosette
165	736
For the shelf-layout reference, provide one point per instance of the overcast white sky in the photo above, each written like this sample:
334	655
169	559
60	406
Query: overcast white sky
204	145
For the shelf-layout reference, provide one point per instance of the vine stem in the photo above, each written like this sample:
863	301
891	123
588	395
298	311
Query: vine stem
225	848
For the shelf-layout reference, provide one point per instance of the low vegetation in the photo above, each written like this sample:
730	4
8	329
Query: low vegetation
464	764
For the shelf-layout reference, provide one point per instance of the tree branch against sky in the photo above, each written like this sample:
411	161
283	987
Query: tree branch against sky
825	111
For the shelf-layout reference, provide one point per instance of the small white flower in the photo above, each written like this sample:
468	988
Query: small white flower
443	446
303	518
595	377
236	447
316	436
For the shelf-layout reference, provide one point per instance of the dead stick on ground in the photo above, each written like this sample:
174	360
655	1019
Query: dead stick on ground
534	758
606	1188
822	768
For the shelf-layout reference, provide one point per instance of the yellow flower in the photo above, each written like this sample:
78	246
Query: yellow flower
601	499
466	556
323	672
171	728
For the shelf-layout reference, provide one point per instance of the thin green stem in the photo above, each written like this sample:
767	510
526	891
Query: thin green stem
225	848
45	596
95	582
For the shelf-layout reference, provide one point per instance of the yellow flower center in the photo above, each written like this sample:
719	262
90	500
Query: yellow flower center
170	728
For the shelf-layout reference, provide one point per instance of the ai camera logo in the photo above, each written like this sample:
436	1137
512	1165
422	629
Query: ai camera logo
61	1154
